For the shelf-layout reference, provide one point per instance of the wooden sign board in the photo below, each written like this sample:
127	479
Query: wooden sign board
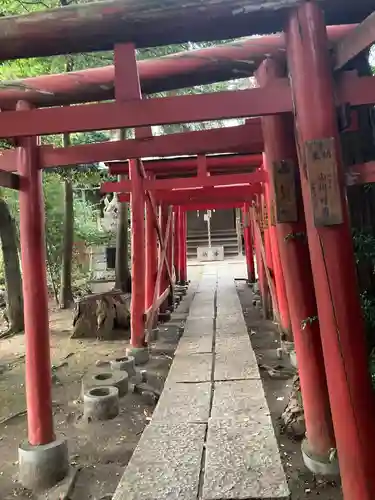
284	183
322	177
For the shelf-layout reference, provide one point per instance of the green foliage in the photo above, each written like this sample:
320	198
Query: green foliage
364	245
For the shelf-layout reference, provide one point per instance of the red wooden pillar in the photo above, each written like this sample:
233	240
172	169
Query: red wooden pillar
280	150
151	254
278	276
182	247
170	300
331	251
137	203
176	239
261	274
35	295
164	282
267	305
248	243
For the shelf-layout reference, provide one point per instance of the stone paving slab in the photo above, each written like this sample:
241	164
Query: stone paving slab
195	345
202	311
228	343
243	462
234	365
231	326
198	327
165	465
183	403
191	368
240	399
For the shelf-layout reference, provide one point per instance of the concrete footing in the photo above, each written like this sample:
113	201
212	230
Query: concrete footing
41	467
101	403
141	355
293	359
95	379
323	466
125	364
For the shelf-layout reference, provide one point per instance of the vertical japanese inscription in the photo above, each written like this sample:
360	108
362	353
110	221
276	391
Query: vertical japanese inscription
284	182
323	180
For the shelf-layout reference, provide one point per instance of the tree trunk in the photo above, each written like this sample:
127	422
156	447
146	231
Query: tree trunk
8	235
66	294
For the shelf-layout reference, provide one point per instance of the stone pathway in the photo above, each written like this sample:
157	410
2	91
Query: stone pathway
211	436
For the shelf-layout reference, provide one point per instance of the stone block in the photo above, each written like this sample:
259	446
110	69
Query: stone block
191	368
195	345
234	365
240	399
228	343
243	462
165	465
183	403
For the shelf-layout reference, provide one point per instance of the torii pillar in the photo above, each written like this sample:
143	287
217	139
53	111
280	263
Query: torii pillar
249	252
151	255
176	242
331	250
278	276
138	347
182	246
41	447
290	229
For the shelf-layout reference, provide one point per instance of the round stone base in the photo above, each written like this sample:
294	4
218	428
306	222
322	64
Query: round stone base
119	379
41	467
125	364
141	355
101	403
323	466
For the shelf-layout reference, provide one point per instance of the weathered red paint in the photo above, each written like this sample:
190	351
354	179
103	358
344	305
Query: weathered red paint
35	295
274	99
190	183
212	206
240	139
295	260
137	201
263	287
181	165
183	69
182	246
164	281
204	195
140	113
278	276
247	233
151	255
176	251
332	261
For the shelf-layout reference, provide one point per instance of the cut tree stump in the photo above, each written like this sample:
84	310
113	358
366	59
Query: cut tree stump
105	316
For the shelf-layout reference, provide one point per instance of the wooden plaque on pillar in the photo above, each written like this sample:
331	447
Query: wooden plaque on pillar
284	182
323	180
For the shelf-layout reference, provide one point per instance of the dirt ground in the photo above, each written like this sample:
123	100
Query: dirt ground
303	484
99	450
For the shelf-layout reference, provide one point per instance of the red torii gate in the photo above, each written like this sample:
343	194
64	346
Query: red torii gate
327	228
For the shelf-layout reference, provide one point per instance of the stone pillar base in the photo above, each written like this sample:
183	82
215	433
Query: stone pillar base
41	467
141	355
320	465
